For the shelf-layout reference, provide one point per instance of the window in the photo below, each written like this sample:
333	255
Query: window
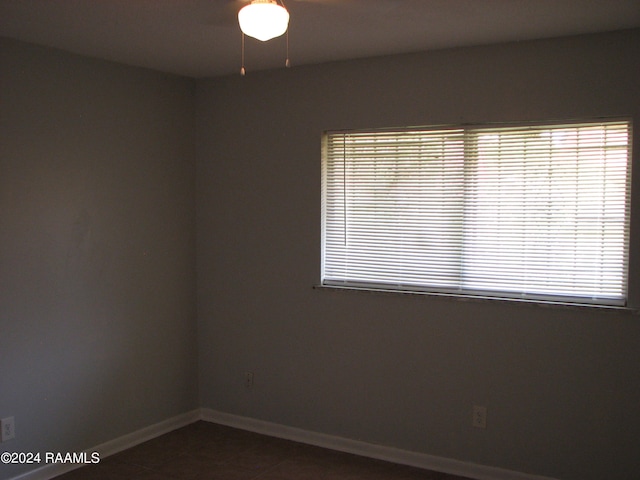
538	212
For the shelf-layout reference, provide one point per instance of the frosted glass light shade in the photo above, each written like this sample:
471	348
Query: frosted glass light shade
263	19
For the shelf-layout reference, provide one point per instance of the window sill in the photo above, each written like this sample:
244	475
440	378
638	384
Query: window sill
482	299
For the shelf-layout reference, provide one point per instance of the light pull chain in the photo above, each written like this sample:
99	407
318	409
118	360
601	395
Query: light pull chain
287	62
242	70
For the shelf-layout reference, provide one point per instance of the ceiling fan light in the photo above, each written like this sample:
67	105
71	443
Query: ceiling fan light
263	19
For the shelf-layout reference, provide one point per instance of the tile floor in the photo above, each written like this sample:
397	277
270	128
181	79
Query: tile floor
206	451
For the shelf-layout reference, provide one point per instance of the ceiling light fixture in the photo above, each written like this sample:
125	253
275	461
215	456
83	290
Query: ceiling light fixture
263	19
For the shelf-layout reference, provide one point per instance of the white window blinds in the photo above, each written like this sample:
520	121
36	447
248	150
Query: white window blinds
536	211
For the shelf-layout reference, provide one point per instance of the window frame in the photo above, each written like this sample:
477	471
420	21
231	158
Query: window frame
476	293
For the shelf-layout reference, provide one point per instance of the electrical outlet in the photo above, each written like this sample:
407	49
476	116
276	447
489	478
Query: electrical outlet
479	419
8	428
248	379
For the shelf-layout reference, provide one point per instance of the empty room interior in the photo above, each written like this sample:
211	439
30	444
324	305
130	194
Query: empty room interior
163	235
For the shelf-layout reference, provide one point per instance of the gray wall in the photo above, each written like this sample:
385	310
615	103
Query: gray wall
561	385
97	249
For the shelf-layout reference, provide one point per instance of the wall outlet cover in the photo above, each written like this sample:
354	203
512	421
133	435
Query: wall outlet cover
479	416
7	429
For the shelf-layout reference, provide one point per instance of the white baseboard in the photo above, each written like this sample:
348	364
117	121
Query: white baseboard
380	452
114	446
403	457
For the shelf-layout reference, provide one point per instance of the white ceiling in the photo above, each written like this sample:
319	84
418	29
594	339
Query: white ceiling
201	38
